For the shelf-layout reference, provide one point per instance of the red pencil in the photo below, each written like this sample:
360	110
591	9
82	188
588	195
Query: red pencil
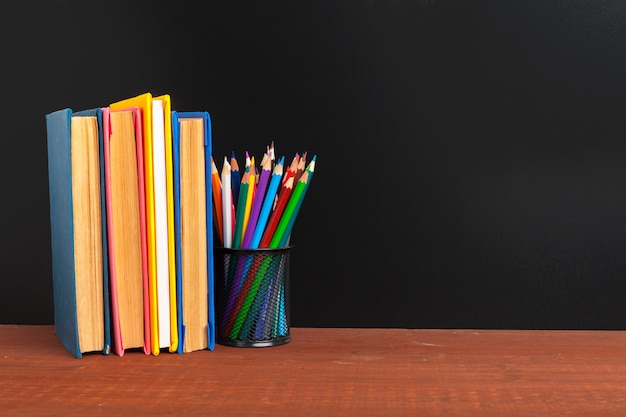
283	197
300	168
291	169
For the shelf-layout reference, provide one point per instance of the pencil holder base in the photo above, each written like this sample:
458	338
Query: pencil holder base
248	343
252	297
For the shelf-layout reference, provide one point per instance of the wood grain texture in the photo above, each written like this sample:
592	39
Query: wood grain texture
326	372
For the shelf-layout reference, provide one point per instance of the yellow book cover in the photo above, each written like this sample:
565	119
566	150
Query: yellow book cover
144	103
166	274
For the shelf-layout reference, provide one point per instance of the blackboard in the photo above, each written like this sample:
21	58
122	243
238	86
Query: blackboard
470	154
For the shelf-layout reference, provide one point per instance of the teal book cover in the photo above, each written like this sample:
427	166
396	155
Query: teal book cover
63	232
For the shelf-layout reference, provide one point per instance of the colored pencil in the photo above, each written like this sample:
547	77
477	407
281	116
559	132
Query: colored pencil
287	233
301	166
283	197
216	185
247	294
249	197
266	311
292	168
268	202
258	201
273	301
253	302
234	290
241	208
235	178
287	214
227	205
280	319
238	267
272	154
234	319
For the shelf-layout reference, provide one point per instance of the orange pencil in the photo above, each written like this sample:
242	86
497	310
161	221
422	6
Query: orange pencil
216	184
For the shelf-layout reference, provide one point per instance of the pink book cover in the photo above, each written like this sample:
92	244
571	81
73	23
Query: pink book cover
118	346
144	233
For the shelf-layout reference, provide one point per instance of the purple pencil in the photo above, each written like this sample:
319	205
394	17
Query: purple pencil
266	171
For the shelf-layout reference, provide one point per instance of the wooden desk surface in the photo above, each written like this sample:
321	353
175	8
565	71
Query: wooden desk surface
326	372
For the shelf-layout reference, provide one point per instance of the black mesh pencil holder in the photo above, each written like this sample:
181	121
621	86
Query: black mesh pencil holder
252	296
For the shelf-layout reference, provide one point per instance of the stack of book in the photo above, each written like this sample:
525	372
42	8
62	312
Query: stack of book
131	227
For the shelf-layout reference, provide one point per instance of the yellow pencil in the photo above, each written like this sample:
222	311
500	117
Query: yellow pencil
249	197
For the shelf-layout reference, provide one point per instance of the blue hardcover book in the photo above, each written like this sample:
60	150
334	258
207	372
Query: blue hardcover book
78	230
193	223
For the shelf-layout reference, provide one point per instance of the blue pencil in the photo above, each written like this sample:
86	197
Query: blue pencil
235	178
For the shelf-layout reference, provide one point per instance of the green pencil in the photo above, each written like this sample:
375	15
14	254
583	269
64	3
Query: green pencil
289	210
284	241
241	209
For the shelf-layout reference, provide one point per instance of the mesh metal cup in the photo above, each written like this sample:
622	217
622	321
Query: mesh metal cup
252	296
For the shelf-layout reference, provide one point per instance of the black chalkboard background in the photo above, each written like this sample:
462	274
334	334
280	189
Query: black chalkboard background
471	155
